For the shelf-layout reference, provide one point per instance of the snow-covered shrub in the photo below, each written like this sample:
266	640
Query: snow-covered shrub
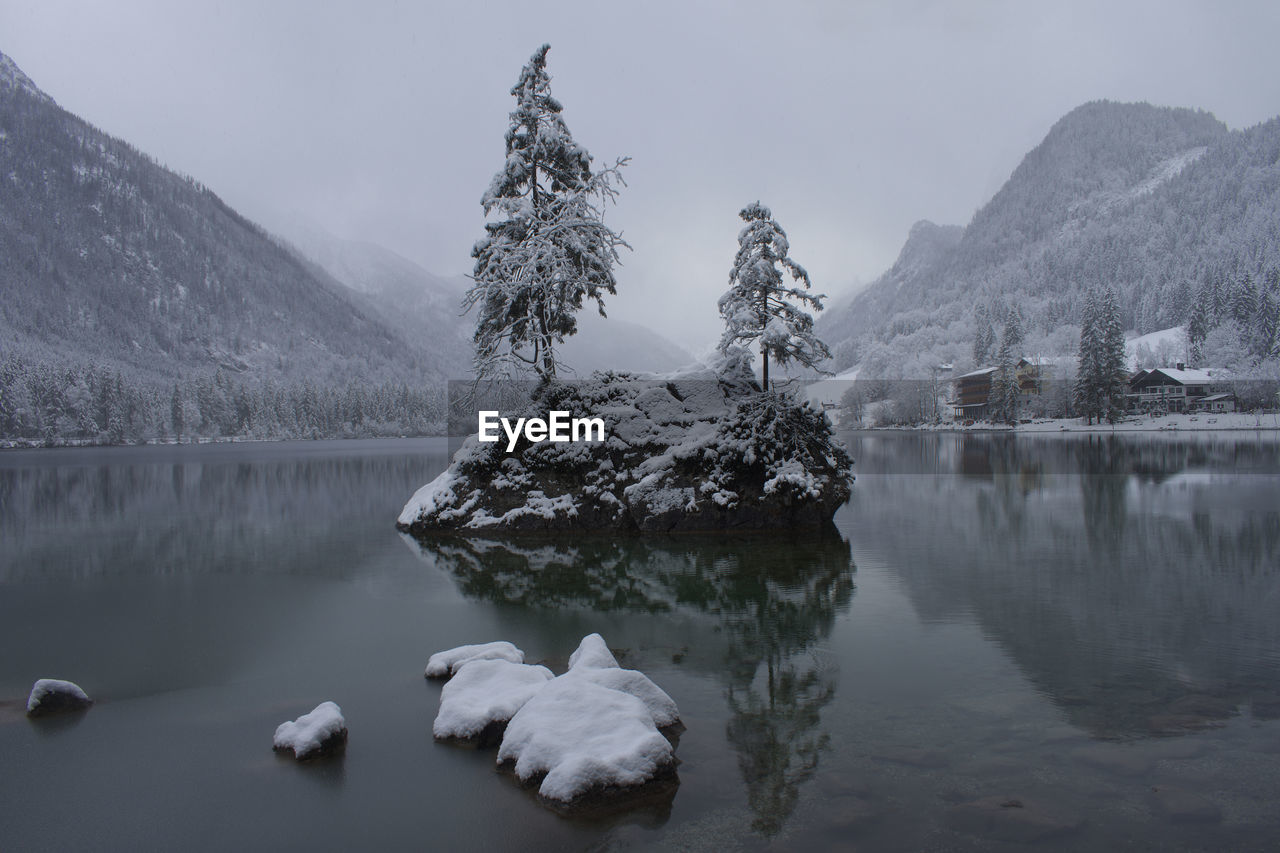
773	445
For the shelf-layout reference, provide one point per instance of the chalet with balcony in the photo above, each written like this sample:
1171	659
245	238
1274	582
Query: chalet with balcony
1175	389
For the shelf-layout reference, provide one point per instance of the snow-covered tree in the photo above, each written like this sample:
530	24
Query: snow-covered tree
550	250
759	305
984	338
1102	377
1004	399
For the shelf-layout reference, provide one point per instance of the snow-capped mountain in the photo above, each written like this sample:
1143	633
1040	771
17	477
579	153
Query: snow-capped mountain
1147	199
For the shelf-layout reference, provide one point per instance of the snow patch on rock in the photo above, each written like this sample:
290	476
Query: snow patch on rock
591	729
592	653
321	731
447	663
483	693
584	737
430	498
51	695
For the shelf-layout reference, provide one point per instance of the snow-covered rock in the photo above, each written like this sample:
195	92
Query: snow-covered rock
661	707
593	729
51	696
321	732
592	653
486	694
594	662
447	663
679	454
581	737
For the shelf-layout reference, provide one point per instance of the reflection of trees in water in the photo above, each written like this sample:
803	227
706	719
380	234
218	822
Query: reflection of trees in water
1135	584
194	510
1107	463
774	729
770	600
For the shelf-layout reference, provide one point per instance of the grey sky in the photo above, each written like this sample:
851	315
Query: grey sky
383	121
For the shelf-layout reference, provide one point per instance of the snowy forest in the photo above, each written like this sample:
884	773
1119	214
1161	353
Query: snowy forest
50	405
1167	206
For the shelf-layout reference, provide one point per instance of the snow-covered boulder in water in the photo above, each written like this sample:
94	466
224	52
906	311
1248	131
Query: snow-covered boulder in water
484	695
581	738
592	653
321	732
595	663
592	730
447	663
679	454
52	696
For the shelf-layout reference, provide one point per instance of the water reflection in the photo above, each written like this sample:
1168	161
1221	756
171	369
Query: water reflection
274	508
1134	580
764	603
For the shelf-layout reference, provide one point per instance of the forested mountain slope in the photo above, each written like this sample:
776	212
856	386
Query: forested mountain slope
1153	201
107	257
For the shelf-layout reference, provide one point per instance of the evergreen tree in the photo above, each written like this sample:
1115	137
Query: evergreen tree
983	339
1114	378
1102	375
1245	302
1198	326
1087	396
758	304
550	251
1266	324
1004	399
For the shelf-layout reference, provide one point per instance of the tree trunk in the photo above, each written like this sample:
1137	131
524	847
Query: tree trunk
764	356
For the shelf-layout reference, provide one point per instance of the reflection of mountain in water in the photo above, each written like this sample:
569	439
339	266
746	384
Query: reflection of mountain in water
766	601
89	514
1134	580
131	548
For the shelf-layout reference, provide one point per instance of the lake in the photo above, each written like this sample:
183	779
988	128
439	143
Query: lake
1062	642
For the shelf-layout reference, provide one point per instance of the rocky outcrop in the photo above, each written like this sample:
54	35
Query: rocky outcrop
53	696
701	452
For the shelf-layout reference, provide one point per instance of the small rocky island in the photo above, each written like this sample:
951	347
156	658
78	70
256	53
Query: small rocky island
705	449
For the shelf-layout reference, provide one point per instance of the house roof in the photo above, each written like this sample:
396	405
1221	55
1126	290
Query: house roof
981	371
1212	397
1046	360
1186	376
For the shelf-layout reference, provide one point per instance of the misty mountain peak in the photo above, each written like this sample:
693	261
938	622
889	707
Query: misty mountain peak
1096	156
926	243
12	78
1120	142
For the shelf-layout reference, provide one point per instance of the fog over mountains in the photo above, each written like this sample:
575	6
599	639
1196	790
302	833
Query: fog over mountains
1150	200
109	258
122	279
135	297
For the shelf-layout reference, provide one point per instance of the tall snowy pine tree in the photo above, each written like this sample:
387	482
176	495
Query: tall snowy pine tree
1102	376
984	338
1005	397
551	251
759	306
1115	371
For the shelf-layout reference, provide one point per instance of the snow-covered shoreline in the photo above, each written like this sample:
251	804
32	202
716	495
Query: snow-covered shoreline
1222	422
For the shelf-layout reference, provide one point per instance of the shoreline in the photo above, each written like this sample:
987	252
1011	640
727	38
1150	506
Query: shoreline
86	443
1177	423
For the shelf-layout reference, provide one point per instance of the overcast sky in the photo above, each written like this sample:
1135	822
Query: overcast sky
383	121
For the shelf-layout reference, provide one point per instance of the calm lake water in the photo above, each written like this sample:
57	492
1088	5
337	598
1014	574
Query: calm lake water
1059	642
